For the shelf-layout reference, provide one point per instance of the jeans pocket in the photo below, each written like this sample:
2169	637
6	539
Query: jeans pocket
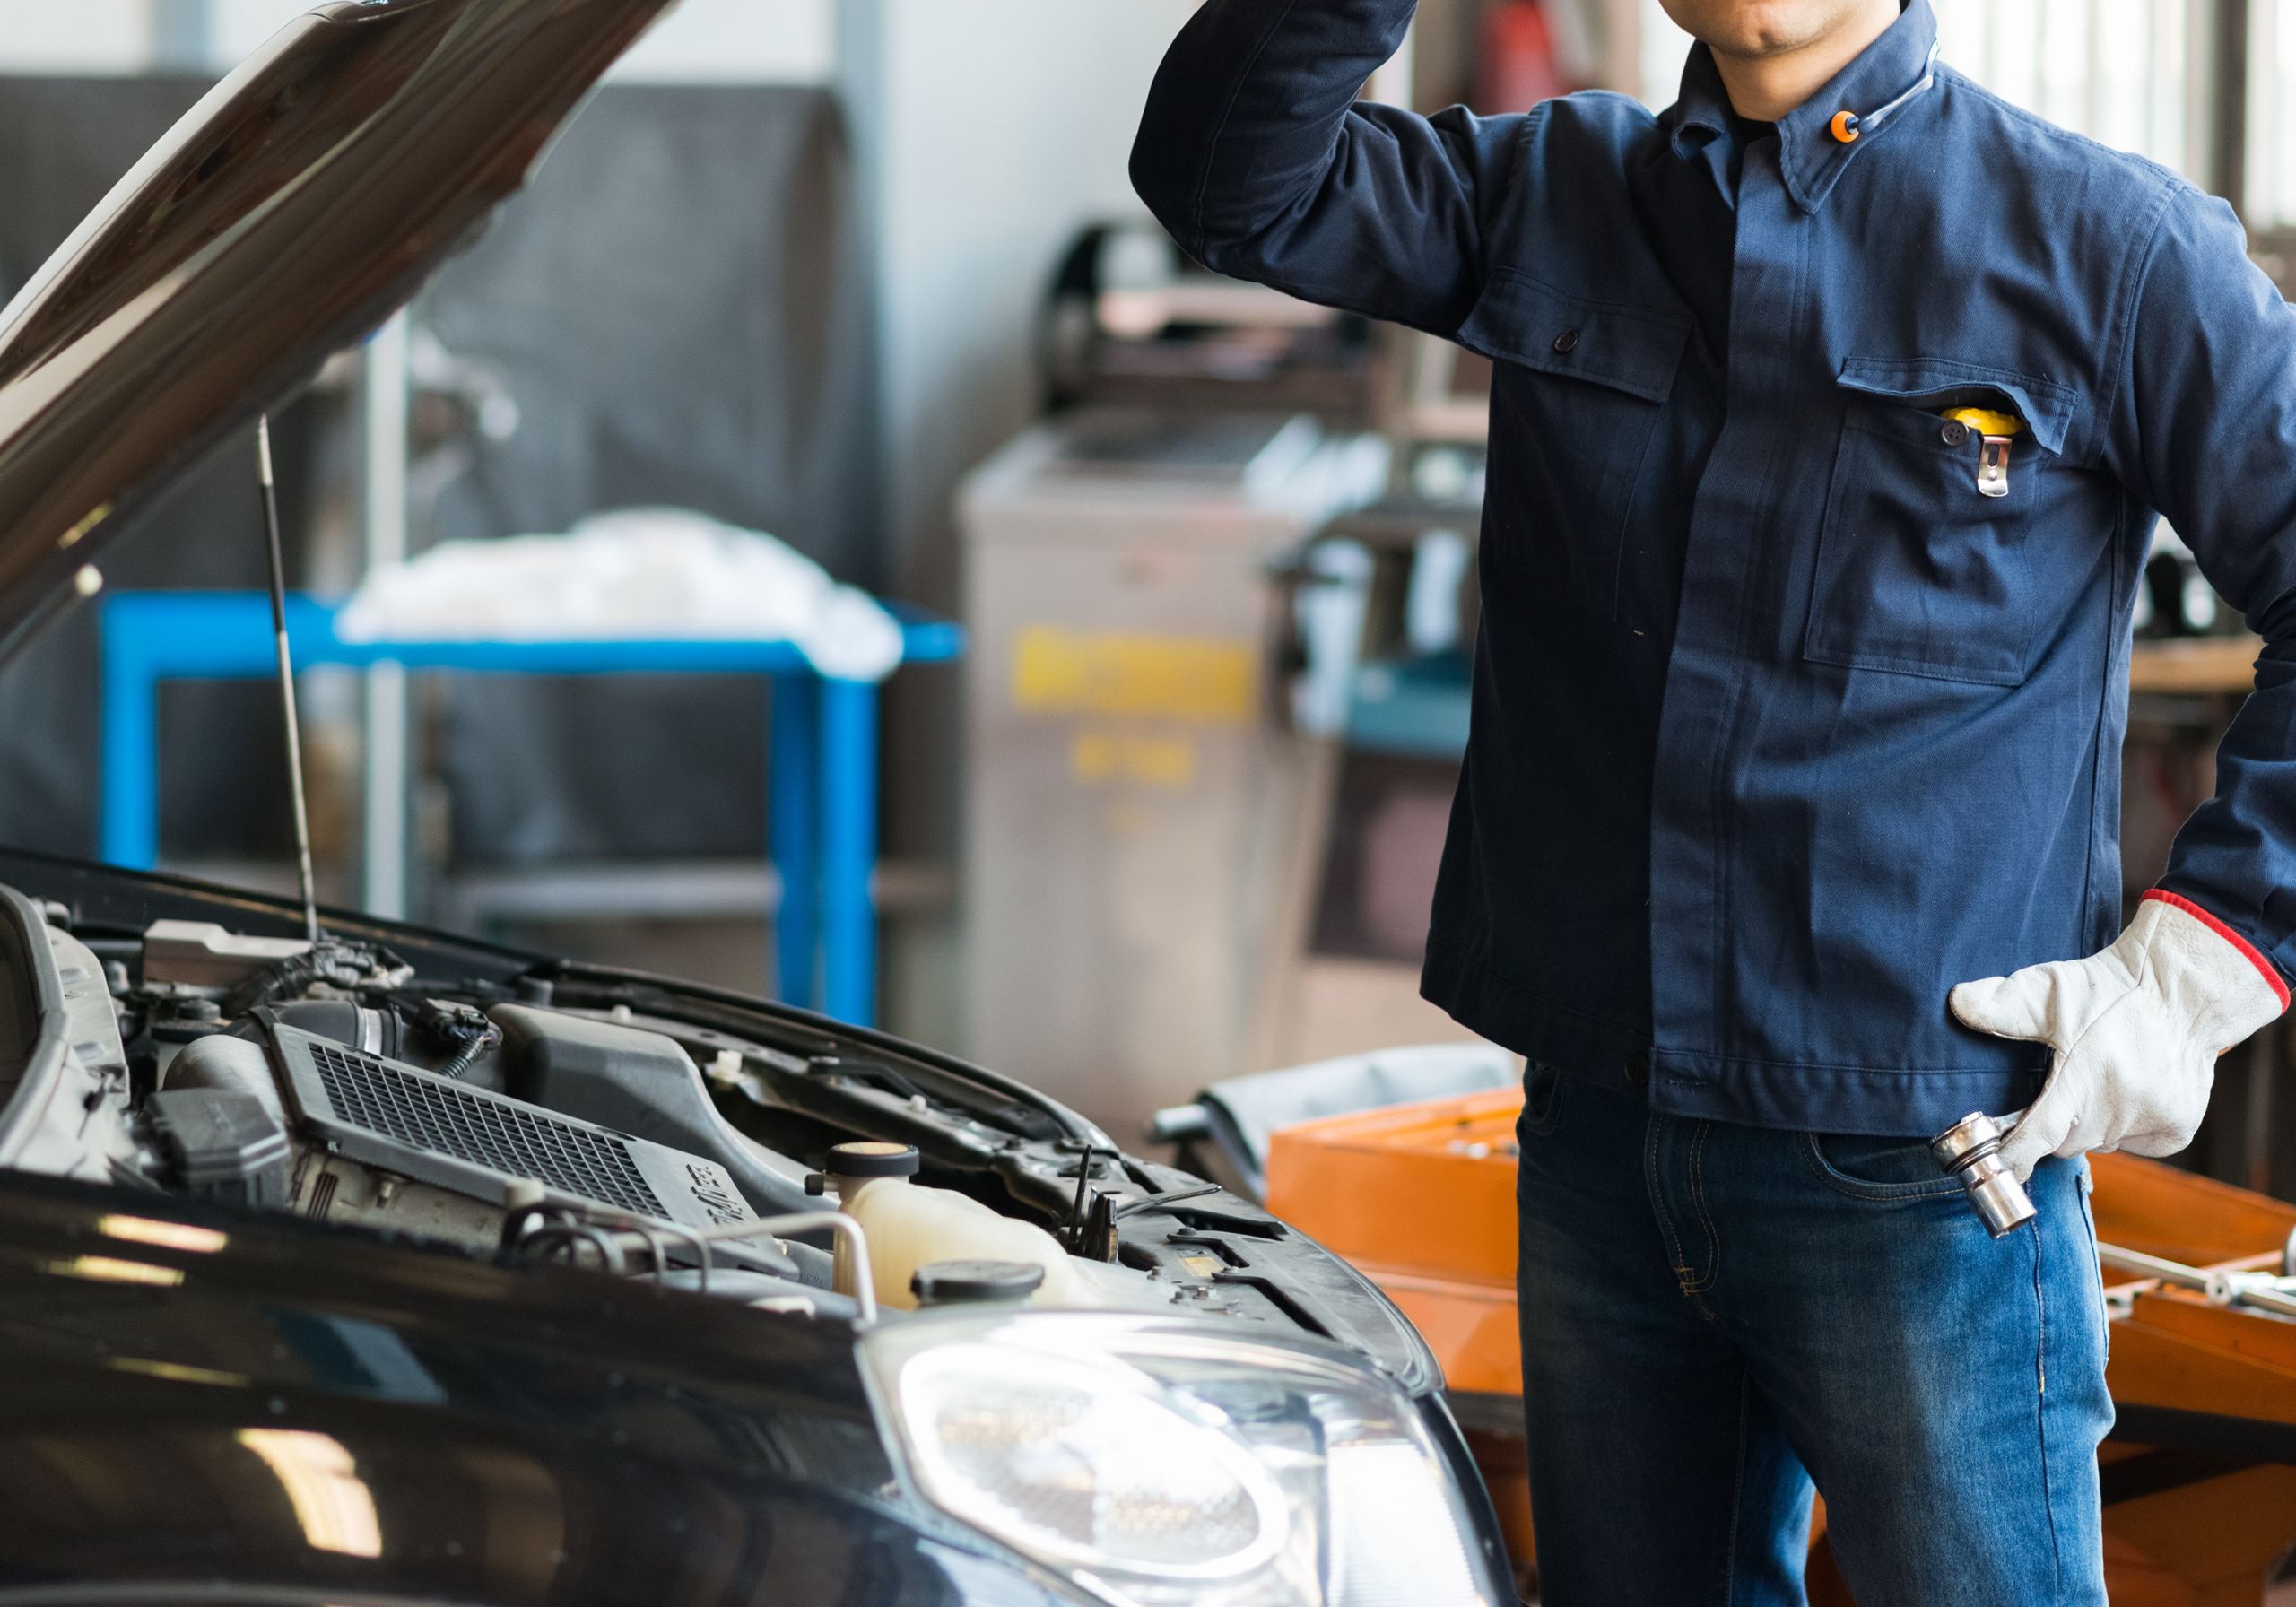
1544	1089
1877	1169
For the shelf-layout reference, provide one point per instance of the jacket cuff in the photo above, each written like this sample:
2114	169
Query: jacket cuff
2265	968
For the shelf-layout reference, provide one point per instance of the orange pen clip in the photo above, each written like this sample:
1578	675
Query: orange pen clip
1847	125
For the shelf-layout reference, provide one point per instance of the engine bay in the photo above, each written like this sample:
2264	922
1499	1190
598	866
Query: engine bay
564	1115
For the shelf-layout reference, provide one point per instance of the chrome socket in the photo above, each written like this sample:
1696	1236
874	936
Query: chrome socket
1970	1149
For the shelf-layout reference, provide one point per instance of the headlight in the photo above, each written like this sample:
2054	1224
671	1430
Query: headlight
1153	1465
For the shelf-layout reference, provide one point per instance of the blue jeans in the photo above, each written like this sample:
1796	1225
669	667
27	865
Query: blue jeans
1715	1315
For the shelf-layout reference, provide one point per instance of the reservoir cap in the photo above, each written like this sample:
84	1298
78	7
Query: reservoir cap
872	1160
972	1282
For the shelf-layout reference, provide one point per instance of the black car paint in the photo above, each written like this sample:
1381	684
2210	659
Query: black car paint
527	1437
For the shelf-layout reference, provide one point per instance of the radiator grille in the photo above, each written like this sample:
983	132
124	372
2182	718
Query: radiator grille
432	1113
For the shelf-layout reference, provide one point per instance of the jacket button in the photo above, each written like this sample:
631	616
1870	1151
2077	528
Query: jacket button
1568	341
1638	1071
1955	432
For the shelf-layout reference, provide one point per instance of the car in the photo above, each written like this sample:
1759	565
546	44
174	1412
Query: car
384	1266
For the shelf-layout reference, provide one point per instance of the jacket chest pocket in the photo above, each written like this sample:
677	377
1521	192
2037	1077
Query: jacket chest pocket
1575	403
1929	560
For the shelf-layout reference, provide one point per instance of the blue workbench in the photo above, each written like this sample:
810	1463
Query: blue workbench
822	788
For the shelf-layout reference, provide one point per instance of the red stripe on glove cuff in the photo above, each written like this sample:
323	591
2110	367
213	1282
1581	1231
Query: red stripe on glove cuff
2265	968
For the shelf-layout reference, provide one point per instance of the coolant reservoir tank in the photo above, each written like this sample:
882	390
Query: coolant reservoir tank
909	1228
975	1283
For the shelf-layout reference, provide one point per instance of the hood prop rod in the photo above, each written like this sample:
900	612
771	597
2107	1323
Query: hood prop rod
287	681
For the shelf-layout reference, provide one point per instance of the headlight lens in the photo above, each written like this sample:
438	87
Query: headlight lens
1084	1465
1153	1465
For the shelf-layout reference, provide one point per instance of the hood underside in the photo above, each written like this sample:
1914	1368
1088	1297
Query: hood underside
288	214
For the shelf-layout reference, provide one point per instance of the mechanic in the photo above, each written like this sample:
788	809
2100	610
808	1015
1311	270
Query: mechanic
1834	410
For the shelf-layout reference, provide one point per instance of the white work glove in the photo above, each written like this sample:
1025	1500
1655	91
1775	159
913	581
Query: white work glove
2136	1031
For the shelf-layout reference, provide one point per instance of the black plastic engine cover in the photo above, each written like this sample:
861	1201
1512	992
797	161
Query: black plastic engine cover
636	1082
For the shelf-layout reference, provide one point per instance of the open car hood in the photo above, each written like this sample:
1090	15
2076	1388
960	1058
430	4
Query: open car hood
288	214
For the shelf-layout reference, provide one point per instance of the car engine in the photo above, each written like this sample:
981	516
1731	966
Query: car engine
563	1115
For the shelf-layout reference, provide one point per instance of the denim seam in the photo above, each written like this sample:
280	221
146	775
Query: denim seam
1878	1193
2096	1256
1706	1219
2041	1420
1657	1202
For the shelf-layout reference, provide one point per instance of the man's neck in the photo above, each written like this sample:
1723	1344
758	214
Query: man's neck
1765	88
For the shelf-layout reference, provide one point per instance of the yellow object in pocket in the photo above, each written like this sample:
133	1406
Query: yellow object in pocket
1986	422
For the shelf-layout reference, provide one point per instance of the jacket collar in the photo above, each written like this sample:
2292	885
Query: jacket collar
1812	159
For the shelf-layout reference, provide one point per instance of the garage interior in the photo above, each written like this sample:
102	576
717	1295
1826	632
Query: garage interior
1134	613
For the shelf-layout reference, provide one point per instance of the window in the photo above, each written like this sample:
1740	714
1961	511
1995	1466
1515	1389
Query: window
2272	132
2132	74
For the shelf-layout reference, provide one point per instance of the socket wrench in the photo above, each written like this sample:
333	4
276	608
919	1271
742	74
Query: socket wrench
1971	1149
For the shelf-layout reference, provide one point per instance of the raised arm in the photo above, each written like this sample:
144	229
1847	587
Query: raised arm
1256	155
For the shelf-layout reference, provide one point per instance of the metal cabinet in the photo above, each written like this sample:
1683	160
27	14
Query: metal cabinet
1132	788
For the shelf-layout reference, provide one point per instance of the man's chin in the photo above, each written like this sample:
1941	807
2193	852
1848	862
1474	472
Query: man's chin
1754	29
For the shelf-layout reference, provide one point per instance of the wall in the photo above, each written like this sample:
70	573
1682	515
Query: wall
1001	127
990	132
76	36
2272	131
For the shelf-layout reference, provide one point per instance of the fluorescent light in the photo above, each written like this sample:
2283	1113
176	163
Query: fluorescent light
106	1269
176	1372
167	1235
333	1505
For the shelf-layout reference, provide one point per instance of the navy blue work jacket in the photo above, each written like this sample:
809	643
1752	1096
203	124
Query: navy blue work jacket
1783	726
